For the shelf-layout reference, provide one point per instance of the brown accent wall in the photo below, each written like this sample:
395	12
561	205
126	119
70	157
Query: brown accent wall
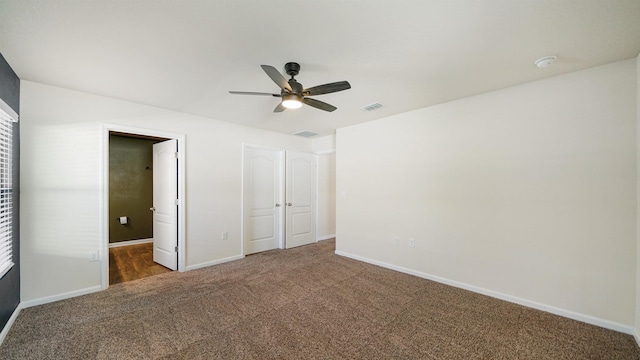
130	187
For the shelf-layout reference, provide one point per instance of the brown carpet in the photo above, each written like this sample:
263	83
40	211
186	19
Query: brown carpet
303	303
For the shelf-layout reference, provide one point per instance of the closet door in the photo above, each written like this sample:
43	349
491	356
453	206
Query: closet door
300	199
262	202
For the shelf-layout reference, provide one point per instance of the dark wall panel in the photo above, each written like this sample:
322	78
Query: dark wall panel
130	188
9	85
10	283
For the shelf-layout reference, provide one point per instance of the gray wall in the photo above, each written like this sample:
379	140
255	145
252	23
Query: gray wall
130	188
10	283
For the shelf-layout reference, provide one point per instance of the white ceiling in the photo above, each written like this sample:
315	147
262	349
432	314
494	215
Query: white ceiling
186	55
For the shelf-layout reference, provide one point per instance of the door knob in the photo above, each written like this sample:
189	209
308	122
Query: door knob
152	209
289	204
277	205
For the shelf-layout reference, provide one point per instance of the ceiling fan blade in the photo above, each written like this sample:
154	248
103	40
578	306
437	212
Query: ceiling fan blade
253	93
276	77
327	88
319	104
279	108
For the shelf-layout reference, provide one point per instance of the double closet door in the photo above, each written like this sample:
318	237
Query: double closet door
279	199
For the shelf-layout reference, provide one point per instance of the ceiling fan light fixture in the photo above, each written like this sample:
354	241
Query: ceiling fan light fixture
293	94
292	101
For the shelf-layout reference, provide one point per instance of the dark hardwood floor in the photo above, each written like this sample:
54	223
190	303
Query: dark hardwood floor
132	262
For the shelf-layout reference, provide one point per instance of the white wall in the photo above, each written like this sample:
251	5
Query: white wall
62	187
527	193
324	145
326	224
325	148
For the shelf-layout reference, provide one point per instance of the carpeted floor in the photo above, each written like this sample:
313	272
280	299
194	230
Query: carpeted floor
303	303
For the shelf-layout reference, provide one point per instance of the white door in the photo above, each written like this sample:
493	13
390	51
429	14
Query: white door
262	203
165	208
301	199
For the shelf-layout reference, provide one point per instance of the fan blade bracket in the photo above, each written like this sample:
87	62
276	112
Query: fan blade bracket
296	87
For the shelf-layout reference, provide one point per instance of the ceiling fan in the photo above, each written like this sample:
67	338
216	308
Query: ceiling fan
291	91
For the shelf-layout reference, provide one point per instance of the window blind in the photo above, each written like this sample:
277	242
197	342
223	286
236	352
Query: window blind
6	193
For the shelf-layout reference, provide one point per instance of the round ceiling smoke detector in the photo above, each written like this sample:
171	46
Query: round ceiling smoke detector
545	61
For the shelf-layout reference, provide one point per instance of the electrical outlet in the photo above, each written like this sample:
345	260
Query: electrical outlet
224	235
396	241
412	242
94	256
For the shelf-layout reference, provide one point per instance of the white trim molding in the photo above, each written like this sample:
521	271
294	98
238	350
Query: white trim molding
326	237
9	324
215	262
129	243
626	329
58	297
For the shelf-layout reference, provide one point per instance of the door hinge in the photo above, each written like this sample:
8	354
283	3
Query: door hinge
176	249
177	201
176	154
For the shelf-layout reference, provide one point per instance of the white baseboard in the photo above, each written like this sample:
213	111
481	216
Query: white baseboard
215	262
513	299
7	326
63	296
636	336
326	237
129	242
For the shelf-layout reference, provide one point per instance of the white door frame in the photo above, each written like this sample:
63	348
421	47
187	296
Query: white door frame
282	189
104	248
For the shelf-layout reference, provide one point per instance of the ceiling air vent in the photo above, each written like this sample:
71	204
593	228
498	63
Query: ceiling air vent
371	107
306	133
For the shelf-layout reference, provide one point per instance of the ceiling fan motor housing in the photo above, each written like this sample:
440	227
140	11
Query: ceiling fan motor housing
292	68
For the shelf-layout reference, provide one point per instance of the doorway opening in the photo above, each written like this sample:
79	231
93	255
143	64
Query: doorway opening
144	206
130	200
